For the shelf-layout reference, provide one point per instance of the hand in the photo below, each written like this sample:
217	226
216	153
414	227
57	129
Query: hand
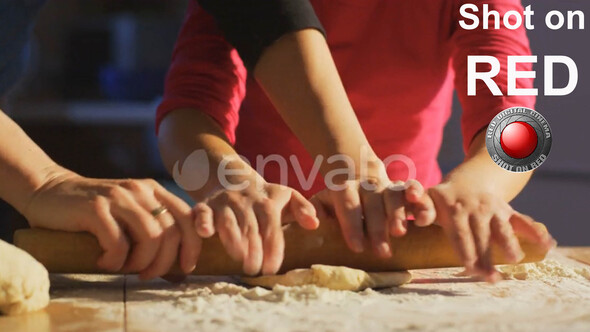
118	213
377	205
249	222
474	219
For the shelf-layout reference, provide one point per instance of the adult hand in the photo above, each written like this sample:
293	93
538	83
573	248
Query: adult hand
139	224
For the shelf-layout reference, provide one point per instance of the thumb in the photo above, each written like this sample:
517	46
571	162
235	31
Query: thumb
420	204
303	211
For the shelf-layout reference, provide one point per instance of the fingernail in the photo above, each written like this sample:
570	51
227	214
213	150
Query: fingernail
191	269
519	256
494	278
384	250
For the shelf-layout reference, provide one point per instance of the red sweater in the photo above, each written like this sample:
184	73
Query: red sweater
399	61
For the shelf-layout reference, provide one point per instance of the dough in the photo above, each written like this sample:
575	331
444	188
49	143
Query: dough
332	277
24	282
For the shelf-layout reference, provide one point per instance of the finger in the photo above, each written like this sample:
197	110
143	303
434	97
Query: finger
204	224
503	235
419	204
144	230
423	211
168	250
251	243
414	191
321	210
229	232
273	242
190	243
526	227
111	238
303	211
376	222
481	237
347	206
461	238
254	254
396	215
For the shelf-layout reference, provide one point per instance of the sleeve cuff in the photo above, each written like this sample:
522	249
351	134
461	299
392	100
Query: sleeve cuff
253	25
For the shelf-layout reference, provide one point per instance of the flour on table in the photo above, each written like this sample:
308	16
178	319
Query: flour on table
24	282
546	269
435	300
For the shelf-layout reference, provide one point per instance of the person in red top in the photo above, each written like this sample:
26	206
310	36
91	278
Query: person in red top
377	89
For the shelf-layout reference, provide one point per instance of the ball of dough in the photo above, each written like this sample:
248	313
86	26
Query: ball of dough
24	282
333	277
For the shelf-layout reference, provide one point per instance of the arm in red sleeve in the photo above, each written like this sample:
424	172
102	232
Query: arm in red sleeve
479	110
206	73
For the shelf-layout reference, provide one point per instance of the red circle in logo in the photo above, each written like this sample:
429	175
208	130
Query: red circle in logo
519	140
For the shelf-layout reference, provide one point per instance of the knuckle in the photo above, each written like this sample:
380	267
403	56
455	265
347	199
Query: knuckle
122	247
222	198
456	208
348	203
132	185
99	204
225	220
202	209
116	191
238	202
152	230
484	207
150	182
266	206
250	228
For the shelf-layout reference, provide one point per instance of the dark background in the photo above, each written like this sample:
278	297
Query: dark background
96	73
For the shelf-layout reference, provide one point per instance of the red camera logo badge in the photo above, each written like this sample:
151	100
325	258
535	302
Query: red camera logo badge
519	139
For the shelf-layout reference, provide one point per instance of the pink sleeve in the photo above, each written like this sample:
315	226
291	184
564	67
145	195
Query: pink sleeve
479	110
206	73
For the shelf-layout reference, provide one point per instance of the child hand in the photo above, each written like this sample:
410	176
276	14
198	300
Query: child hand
249	222
474	219
382	211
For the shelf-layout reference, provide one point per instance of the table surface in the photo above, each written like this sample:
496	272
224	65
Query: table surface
120	302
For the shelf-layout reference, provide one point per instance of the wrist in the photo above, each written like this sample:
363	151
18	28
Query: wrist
360	157
45	178
232	175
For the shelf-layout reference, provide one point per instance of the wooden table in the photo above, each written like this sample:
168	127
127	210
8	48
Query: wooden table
116	303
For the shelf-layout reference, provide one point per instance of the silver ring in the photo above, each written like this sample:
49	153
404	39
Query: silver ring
159	211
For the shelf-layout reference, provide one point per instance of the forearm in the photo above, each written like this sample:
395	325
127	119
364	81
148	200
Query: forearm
299	76
185	131
479	170
24	167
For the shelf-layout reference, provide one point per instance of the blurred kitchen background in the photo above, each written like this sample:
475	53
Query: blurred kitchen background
95	77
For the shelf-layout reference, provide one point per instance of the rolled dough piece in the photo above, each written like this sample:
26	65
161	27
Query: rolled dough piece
24	282
332	277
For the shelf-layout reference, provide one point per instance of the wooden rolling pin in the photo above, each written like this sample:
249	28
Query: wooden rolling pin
420	248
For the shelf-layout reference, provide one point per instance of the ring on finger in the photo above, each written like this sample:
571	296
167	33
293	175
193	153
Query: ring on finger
159	211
